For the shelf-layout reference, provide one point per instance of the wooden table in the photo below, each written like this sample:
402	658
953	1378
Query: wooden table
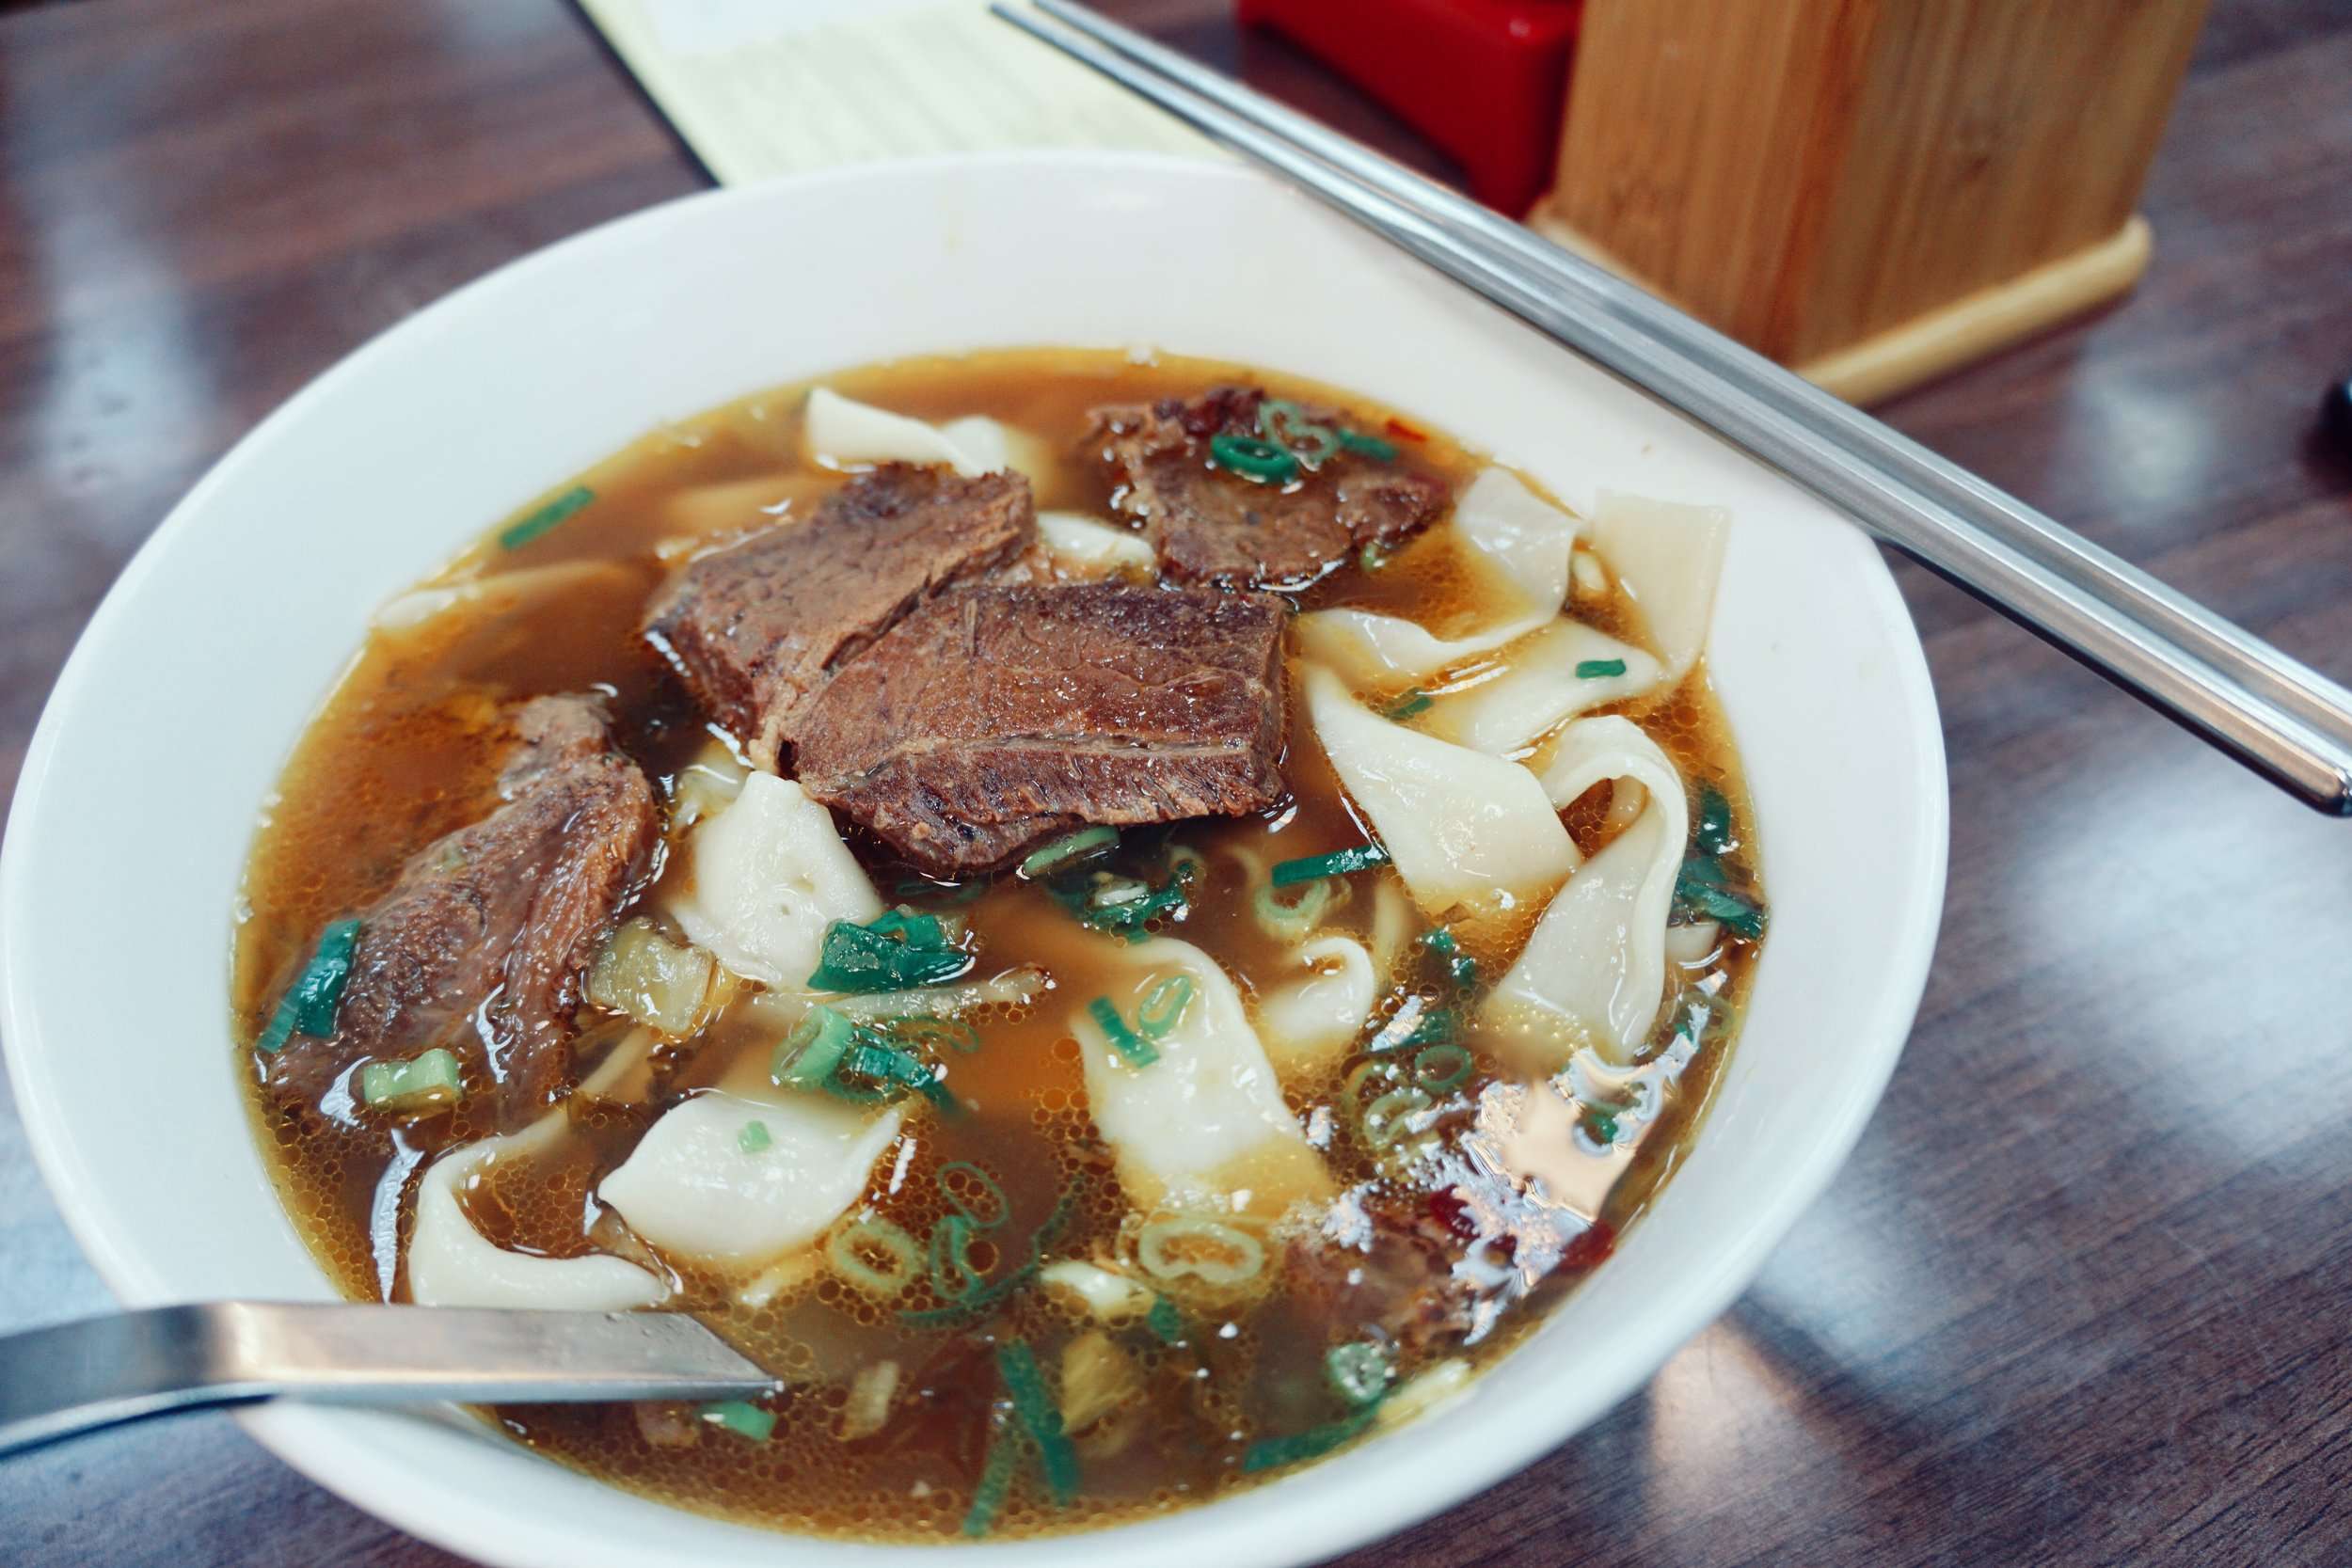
2081	1294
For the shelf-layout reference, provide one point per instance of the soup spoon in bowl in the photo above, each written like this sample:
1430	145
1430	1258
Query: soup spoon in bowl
71	1378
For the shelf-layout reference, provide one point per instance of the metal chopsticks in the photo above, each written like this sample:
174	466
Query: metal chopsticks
2273	713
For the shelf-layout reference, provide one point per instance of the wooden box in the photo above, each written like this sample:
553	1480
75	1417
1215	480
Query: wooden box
1871	191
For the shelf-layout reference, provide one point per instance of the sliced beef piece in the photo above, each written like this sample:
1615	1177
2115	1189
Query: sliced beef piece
482	944
1214	526
995	718
757	627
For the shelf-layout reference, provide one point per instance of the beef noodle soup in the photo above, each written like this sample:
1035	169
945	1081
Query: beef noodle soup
1121	924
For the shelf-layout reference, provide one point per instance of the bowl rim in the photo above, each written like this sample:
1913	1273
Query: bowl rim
333	1447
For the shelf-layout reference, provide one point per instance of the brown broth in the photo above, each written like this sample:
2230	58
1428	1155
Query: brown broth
406	751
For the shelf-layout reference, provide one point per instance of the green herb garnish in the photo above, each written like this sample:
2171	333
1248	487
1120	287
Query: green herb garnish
1599	669
893	952
1034	1407
1414	701
1134	1047
1713	831
1260	461
743	1418
752	1137
427	1082
308	1005
1338	862
521	531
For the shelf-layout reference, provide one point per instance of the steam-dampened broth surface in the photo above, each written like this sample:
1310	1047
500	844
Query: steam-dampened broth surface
1523	1165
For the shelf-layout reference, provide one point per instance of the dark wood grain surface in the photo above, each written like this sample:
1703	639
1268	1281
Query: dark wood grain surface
2081	1295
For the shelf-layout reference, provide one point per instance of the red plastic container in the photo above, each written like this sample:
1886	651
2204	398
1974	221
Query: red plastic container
1484	79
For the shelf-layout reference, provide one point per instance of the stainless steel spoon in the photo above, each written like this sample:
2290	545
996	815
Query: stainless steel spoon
75	1377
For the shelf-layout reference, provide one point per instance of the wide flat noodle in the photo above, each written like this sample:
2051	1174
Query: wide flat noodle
1506	714
842	433
1597	961
1308	1024
767	874
1668	559
1463	827
1205	1124
1522	541
700	1184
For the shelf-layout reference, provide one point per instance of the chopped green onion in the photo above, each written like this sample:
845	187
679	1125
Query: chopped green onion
1160	1249
1459	966
1286	424
882	1237
428	1081
1260	461
808	1055
1338	862
967	1309
1185	863
973	1304
1371	446
1291	920
952	1274
1372	557
1602	1124
753	1137
308	1005
1359	1373
1433	1027
1414	701
1272	1453
320	986
742	1417
887	1064
1017	1365
1064	851
1138	1051
1163	1007
1441	1066
988	1497
1713	832
1385	1119
998	1208
516	535
1165	1322
1599	669
892	953
1701	888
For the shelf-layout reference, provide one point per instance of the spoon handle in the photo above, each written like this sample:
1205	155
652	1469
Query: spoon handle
75	1377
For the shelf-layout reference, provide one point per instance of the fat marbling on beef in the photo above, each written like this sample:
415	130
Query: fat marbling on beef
757	628
489	929
1213	526
995	718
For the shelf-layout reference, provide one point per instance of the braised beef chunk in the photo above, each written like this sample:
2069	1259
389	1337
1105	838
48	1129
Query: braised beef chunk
503	917
1212	525
995	718
757	628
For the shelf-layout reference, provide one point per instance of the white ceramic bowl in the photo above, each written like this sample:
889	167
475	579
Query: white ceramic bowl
170	721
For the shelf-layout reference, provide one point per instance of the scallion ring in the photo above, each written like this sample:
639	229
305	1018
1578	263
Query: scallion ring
1260	461
1163	1007
1292	919
1441	1066
1284	423
1384	1120
806	1057
1188	1244
871	1233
